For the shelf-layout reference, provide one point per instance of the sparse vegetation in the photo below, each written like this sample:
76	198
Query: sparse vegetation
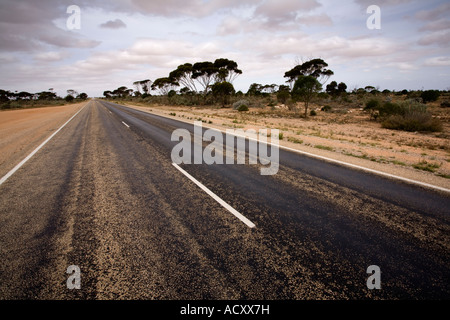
295	140
319	146
242	107
426	166
430	95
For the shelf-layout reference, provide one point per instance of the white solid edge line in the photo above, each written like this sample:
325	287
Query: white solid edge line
215	197
125	124
424	184
21	163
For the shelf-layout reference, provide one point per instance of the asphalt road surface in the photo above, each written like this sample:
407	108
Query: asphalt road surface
103	195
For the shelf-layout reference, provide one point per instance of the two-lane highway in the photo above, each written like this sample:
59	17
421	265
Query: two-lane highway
103	195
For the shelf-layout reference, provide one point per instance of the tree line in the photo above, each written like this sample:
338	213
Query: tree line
212	82
50	95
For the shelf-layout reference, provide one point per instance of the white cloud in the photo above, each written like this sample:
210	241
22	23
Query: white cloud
319	20
382	3
50	56
441	38
284	9
437	25
332	46
230	25
443	61
191	8
435	13
113	24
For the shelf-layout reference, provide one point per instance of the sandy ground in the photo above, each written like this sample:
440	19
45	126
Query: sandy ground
348	136
21	131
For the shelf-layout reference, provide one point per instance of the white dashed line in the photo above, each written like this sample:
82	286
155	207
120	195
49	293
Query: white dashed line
125	124
215	197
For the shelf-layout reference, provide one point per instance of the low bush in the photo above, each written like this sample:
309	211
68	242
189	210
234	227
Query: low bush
239	103
283	96
242	107
372	104
445	104
430	95
413	121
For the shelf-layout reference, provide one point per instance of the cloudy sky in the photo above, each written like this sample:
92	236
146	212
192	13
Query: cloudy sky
119	42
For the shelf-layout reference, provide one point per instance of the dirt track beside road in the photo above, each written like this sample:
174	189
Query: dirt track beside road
21	131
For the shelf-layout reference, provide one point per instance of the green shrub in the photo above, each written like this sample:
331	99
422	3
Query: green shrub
283	96
326	108
372	104
426	166
237	104
445	104
390	108
322	147
242	107
313	113
430	95
413	121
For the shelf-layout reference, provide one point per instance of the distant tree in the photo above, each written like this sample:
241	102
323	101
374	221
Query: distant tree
143	85
23	95
164	85
82	96
369	88
69	98
182	76
120	92
342	88
4	95
107	94
205	74
222	91
332	88
72	92
46	95
146	86
305	87
255	89
283	96
227	70
269	88
430	95
137	85
360	91
316	68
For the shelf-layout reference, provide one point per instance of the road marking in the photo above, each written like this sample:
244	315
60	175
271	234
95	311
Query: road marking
215	197
351	165
380	173
21	163
125	124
